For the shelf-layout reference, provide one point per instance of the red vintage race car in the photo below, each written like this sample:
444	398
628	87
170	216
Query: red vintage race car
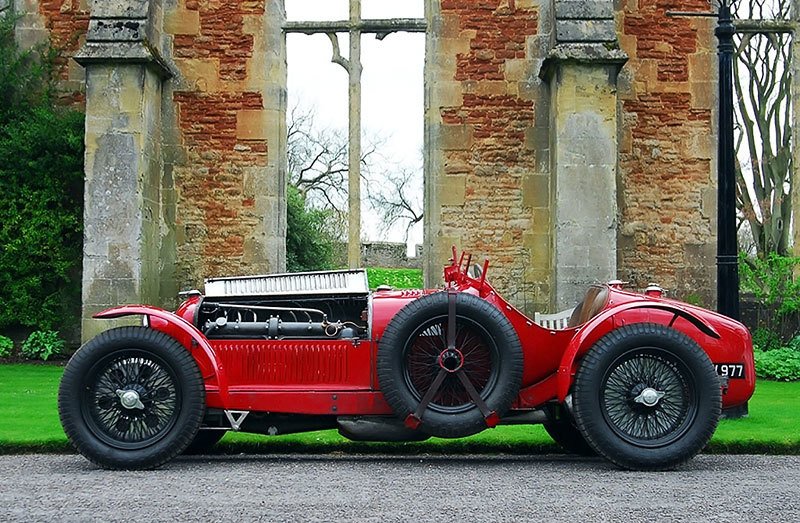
636	378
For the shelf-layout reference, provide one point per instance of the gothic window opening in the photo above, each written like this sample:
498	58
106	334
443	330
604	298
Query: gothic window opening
355	105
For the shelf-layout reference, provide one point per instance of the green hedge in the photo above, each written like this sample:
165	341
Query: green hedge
41	192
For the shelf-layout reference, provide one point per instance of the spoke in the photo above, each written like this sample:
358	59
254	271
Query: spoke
635	419
451	319
158	399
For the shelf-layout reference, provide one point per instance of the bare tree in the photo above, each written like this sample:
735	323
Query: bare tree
318	168
397	198
763	127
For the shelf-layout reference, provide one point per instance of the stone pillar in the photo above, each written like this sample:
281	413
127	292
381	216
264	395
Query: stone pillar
122	213
582	73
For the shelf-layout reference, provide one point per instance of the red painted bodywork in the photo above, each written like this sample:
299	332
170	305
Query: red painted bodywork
338	377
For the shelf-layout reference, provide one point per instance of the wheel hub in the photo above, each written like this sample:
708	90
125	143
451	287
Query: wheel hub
130	399
451	360
649	397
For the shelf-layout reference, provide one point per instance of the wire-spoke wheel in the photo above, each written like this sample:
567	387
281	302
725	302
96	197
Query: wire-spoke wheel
131	398
426	352
453	384
647	397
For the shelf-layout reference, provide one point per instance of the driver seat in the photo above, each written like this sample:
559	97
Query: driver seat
594	302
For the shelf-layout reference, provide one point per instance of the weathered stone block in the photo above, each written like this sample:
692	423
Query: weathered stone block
455	137
704	94
182	22
115	30
448	93
536	191
586	31
517	69
251	125
491	88
200	74
454	46
584	9
119	8
453	190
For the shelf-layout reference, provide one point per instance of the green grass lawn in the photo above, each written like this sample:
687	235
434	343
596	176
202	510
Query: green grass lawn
28	408
397	278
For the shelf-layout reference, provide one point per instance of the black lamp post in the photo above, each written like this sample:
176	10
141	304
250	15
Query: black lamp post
727	250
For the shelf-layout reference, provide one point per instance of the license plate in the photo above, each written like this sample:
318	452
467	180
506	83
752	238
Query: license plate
731	371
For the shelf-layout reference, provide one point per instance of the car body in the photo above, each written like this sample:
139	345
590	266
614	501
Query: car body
638	378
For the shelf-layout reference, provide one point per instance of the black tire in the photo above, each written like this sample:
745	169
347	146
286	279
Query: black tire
204	441
647	397
169	399
407	363
566	434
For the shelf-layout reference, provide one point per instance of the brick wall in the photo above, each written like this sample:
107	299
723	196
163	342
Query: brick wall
484	164
222	139
667	149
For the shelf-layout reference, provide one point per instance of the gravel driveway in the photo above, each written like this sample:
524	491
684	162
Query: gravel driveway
411	488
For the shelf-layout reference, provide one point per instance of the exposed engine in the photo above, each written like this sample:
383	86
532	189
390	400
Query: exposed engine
288	306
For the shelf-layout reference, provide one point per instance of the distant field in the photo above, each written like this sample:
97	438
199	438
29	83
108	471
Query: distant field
28	408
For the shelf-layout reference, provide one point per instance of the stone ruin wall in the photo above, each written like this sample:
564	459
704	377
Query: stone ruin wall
222	182
226	119
487	144
487	132
667	144
490	120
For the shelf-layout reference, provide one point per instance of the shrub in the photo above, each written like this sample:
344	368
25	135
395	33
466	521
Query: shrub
766	339
41	192
779	364
771	280
6	346
309	235
42	345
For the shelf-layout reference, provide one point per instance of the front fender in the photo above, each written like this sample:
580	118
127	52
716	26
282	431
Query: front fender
173	325
579	342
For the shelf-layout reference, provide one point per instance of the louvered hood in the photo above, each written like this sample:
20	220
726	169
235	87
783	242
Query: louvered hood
329	283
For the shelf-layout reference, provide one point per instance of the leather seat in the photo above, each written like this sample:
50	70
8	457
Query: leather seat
594	302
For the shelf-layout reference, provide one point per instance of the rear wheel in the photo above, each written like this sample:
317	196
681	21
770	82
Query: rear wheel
415	364
131	398
647	397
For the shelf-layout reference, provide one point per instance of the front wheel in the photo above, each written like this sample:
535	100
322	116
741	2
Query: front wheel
647	397
131	398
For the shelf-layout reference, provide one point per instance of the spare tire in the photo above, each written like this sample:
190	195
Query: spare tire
409	359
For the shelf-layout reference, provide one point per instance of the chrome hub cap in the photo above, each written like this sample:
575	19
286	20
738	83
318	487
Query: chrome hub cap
130	399
649	397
